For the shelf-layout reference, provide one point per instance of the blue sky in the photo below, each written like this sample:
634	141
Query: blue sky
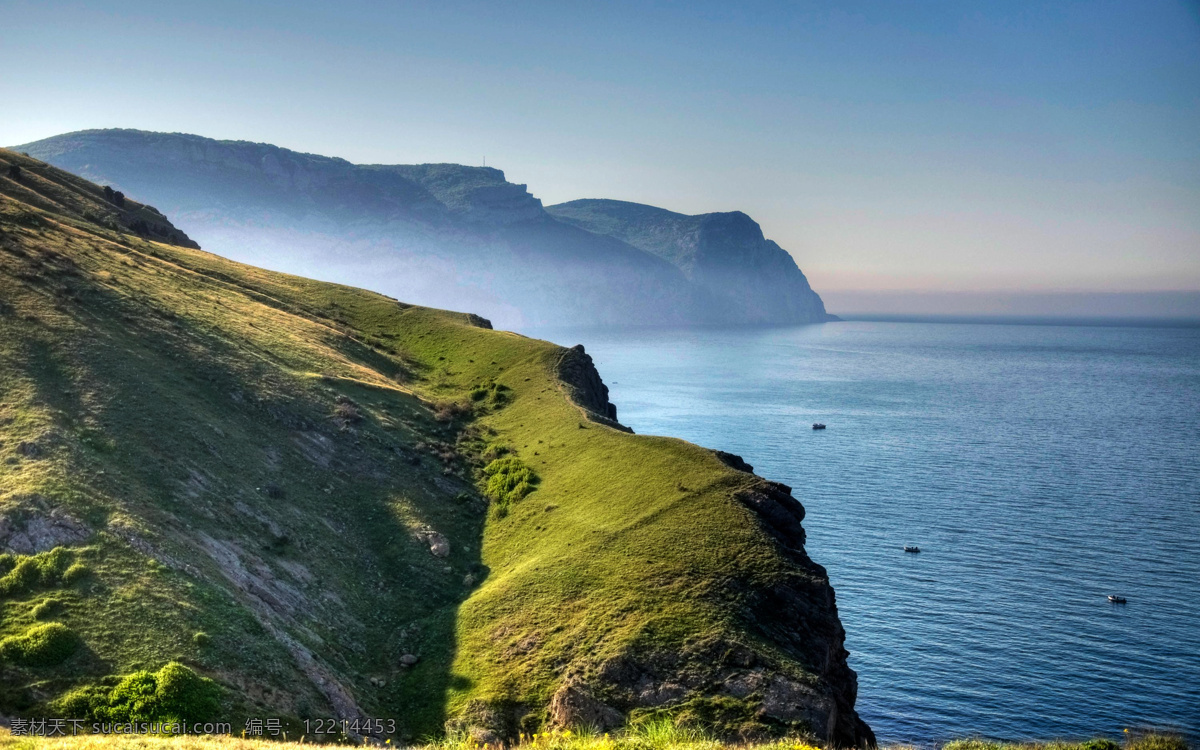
888	145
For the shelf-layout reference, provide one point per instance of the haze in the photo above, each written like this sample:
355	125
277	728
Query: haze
933	147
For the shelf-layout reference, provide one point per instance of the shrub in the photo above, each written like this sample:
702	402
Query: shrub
172	694
346	410
186	695
41	645
508	480
479	394
26	573
78	704
1099	743
45	608
447	411
133	699
494	451
201	639
14	171
77	572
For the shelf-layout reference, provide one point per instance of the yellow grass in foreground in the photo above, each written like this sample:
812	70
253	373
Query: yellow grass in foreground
648	737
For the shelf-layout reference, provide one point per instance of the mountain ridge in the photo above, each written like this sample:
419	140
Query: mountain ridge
443	235
725	252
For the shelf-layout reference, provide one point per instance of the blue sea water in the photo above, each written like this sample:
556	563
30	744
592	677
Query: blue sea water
1039	468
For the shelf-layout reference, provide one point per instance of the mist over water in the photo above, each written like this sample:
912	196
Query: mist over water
1038	468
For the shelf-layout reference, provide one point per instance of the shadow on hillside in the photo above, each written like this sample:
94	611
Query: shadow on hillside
298	539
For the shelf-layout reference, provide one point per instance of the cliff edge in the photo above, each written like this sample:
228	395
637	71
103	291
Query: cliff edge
751	278
291	498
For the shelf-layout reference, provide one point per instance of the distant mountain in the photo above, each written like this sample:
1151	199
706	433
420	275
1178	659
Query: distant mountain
725	254
444	234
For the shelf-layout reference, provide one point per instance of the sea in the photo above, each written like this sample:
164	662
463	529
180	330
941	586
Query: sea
1038	468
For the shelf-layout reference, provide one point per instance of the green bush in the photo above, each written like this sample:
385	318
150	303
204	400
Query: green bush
1099	743
494	451
78	703
45	608
25	573
172	694
201	639
135	698
508	480
186	695
77	572
41	645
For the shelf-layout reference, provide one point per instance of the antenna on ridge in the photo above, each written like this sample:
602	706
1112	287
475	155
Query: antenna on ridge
485	161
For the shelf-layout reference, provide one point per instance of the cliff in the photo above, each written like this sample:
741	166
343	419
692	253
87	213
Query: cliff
297	499
726	254
438	234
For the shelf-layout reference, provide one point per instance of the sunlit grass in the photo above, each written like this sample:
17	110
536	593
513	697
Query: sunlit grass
649	736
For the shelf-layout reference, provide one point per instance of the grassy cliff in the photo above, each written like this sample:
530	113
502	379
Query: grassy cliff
304	500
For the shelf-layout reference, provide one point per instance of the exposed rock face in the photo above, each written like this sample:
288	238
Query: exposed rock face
734	462
752	279
579	375
573	705
34	526
798	615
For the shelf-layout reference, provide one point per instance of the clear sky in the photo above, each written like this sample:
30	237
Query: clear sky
888	145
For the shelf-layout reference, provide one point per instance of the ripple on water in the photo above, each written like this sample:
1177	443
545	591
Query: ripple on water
1039	469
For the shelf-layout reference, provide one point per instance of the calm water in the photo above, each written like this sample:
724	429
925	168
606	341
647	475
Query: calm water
1038	468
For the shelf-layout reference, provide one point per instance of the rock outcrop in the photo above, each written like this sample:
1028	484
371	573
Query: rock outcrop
579	376
746	692
746	276
31	524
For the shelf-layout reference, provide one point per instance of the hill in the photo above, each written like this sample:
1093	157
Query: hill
723	253
438	234
221	485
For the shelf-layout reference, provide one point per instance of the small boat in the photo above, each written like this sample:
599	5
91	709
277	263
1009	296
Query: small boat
912	548
1116	599
818	426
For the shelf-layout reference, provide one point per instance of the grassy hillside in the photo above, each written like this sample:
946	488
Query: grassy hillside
334	504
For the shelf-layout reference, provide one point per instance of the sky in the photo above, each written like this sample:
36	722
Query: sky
939	147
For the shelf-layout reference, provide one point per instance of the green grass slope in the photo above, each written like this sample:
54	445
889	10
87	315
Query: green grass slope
333	504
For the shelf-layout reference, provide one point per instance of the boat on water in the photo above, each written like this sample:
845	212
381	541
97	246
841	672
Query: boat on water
912	548
818	426
1116	599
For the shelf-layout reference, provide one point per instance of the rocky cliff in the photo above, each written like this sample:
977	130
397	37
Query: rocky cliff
440	234
579	377
725	254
